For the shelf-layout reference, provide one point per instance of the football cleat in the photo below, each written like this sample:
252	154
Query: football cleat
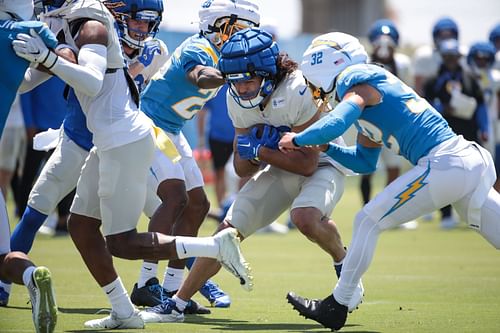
192	306
357	297
216	296
4	297
112	321
167	312
231	259
151	294
43	301
328	312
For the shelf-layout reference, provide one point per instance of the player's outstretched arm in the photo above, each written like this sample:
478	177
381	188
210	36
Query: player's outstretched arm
205	77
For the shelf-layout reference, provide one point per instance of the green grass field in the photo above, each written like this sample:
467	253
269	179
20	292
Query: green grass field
424	280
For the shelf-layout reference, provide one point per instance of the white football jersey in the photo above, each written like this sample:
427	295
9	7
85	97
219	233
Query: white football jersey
112	116
290	105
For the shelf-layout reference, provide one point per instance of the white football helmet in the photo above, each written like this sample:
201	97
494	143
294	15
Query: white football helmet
22	9
326	57
219	19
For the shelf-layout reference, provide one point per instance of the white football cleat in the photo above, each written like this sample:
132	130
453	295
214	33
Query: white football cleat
112	321
43	301
231	259
166	312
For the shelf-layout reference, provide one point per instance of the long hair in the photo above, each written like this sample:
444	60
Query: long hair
286	65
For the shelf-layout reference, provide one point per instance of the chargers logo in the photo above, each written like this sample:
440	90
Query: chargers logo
412	188
326	42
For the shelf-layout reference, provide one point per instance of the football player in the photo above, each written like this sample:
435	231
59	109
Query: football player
111	190
265	87
189	80
16	266
387	112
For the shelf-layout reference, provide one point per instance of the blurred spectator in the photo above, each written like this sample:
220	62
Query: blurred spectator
384	39
220	134
12	145
481	59
494	38
426	60
457	95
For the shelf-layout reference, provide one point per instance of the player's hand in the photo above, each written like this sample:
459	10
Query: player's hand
148	53
248	147
32	48
269	138
286	143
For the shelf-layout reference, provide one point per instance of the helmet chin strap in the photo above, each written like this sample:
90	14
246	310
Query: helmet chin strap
266	91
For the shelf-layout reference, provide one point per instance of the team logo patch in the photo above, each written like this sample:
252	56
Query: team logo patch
278	102
412	188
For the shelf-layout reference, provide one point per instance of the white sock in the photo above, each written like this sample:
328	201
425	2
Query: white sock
148	271
196	247
6	286
27	275
118	297
181	304
173	278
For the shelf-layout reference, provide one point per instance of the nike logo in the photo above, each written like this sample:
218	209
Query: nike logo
109	292
148	269
245	145
184	248
37	52
242	281
170	274
303	91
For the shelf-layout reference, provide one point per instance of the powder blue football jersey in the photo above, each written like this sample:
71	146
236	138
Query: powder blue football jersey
403	121
170	99
12	67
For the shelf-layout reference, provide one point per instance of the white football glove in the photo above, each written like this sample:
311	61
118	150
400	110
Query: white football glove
32	48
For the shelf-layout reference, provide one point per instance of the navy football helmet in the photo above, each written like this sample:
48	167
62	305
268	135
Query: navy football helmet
141	10
481	56
494	36
383	27
444	28
249	53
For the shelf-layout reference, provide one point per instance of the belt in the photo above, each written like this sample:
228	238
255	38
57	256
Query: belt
111	70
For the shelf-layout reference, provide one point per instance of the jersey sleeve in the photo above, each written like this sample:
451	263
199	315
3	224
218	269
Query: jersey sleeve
355	75
197	54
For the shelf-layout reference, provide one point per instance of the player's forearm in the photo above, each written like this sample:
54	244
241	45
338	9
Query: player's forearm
244	168
209	78
301	162
357	158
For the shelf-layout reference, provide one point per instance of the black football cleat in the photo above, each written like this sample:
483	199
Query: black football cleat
328	312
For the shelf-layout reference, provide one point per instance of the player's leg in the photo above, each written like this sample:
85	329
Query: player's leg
57	178
16	267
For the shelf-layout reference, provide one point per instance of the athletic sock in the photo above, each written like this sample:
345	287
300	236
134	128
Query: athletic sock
24	234
148	271
179	303
196	247
338	267
118	297
190	262
28	276
173	278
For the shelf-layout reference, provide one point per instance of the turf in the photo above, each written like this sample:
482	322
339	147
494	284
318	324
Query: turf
424	280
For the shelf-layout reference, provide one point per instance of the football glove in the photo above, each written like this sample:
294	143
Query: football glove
248	147
270	136
32	48
148	52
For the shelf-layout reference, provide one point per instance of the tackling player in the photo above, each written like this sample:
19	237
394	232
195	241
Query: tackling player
387	112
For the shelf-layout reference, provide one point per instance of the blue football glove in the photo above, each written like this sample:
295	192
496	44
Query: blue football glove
270	136
148	52
248	147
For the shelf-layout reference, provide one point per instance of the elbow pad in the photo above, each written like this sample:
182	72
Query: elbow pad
88	75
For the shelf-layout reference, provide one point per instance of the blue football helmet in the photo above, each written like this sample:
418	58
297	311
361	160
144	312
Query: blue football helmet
141	10
383	27
249	53
446	26
495	35
481	55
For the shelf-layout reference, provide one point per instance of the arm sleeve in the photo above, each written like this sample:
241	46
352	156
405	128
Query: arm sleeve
32	79
330	127
359	159
88	75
